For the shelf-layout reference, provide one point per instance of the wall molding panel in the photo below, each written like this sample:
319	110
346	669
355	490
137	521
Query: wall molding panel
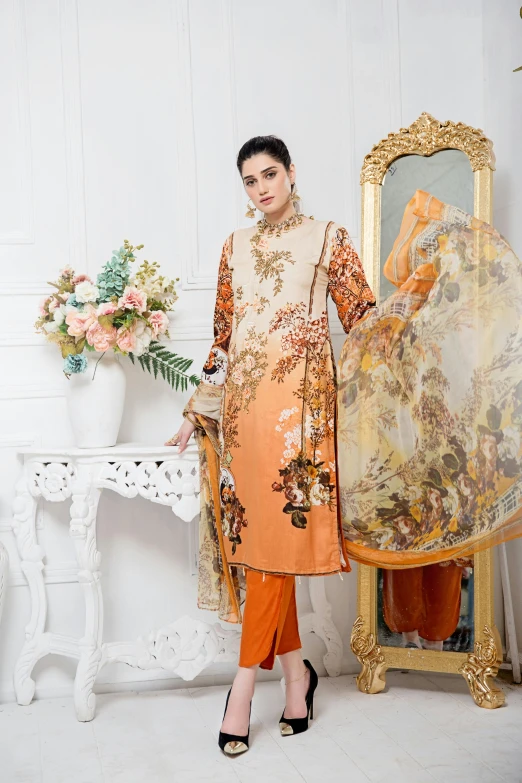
392	58
347	110
31	391
17	287
186	201
72	109
187	217
17	441
227	11
24	235
22	339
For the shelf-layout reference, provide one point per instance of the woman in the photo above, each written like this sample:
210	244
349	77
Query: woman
270	383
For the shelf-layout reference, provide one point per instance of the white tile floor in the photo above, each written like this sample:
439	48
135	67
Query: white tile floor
424	728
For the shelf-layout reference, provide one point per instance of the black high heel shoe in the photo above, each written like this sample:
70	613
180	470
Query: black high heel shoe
290	726
234	744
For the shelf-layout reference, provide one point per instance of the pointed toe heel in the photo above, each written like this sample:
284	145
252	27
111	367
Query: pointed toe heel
233	744
289	726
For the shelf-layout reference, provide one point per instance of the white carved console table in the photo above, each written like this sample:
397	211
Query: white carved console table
184	647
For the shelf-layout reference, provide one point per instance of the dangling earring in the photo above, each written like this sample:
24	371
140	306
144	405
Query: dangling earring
251	210
294	195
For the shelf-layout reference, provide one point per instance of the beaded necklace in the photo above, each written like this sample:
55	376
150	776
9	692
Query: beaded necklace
278	228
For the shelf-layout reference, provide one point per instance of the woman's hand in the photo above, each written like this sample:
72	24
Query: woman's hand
180	439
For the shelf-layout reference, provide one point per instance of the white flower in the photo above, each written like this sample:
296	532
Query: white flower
286	413
319	494
86	292
451	262
143	336
414	494
293	437
469	441
509	264
237	376
59	317
451	501
50	326
510	444
384	538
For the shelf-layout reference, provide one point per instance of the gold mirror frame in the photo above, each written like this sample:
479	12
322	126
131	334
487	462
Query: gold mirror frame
424	137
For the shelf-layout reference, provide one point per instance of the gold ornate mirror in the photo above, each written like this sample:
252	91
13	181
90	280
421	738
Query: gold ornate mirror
454	163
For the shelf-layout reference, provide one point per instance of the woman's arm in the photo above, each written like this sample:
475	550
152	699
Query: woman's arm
346	280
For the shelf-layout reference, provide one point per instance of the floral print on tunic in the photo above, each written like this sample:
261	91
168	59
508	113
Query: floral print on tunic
269	263
232	512
245	372
304	484
280	387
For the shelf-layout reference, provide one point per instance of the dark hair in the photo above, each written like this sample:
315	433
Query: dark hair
270	145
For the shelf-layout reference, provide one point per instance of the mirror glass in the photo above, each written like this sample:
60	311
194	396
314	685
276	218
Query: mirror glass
447	175
429	607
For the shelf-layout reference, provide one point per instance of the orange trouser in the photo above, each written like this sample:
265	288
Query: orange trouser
269	619
424	599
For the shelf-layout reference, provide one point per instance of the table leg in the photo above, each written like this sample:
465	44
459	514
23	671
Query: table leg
31	557
84	507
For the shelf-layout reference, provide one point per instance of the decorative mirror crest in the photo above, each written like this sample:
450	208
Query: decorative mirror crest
424	137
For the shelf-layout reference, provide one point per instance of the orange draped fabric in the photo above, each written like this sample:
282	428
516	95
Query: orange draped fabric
269	619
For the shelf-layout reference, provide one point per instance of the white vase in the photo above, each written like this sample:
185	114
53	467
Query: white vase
95	404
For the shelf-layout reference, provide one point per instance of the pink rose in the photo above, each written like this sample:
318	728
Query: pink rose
81	279
159	322
79	323
126	339
107	308
101	339
42	306
53	304
133	299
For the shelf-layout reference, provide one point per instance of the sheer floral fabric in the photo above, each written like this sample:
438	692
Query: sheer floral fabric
430	397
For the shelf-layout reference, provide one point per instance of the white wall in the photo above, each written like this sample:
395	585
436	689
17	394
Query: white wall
121	119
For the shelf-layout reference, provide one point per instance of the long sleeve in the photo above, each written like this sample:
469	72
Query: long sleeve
206	400
346	280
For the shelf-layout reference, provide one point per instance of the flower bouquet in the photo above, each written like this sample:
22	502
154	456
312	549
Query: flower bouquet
122	312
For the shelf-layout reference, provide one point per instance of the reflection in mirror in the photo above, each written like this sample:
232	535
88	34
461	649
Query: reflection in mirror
447	175
429	608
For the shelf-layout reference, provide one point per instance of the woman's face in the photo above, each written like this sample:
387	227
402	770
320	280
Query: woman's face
267	182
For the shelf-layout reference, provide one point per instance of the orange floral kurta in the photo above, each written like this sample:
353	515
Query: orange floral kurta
270	383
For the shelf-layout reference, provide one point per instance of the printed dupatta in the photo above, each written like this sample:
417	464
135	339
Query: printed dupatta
430	397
